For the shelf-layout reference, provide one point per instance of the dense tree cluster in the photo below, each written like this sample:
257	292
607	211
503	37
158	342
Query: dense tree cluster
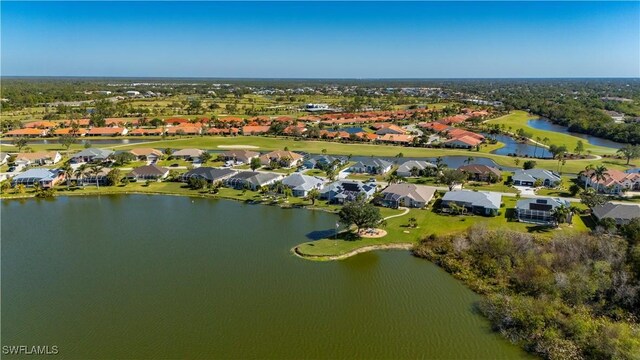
573	297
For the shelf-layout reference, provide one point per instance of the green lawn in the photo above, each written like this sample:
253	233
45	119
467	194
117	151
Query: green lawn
518	120
430	222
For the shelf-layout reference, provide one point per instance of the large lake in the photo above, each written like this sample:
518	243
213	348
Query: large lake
144	276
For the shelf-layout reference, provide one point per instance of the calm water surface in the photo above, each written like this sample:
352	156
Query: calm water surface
511	147
173	277
544	124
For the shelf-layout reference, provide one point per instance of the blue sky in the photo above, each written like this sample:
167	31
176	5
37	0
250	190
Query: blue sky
321	39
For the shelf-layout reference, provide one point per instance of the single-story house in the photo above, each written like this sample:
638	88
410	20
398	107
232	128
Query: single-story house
539	210
107	131
92	155
347	190
4	157
46	178
147	154
621	213
240	156
464	142
188	154
148	172
477	202
408	195
371	166
210	174
390	129
88	177
283	157
322	162
301	184
38	158
405	169
481	172
252	179
26	132
529	177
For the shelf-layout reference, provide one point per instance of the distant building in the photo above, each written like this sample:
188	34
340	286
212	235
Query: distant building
316	107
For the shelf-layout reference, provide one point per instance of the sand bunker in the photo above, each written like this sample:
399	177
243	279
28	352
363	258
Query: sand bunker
372	233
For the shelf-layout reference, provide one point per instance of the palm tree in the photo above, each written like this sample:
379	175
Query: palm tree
67	170
95	170
561	213
585	173
535	151
313	195
79	173
600	173
331	173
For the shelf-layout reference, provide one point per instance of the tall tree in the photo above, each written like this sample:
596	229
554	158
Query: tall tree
360	213
629	152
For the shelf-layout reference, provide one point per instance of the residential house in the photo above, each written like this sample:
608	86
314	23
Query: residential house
240	156
146	154
107	131
4	158
529	178
408	195
255	130
43	177
539	210
347	190
477	202
614	182
481	172
89	177
391	129
38	158
252	180
397	139
322	162
69	131
463	142
148	172
301	184
28	132
621	213
371	166
406	169
285	158
210	174
187	154
92	155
